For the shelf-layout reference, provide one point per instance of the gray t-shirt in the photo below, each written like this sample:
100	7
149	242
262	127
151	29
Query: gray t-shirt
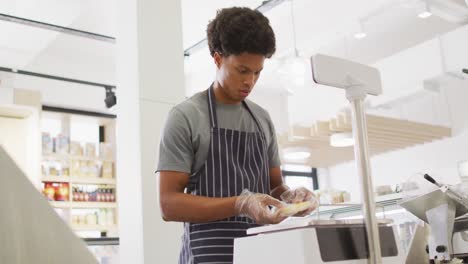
186	136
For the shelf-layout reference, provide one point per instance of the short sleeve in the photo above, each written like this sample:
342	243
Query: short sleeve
273	153
176	149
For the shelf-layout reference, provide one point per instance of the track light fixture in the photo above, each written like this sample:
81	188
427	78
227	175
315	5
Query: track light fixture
110	99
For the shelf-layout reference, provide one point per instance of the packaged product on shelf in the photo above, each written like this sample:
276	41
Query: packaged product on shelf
110	217
47	144
106	151
62	192
99	195
91	219
44	170
65	171
93	170
75	194
75	169
49	191
90	150
102	217
81	220
112	195
107	170
76	149
62	144
84	168
75	220
53	171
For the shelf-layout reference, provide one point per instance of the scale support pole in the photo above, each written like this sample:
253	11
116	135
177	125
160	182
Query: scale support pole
356	96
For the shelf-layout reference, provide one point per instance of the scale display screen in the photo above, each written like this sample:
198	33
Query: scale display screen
347	243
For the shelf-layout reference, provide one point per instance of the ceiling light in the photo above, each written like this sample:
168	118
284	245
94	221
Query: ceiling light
360	35
344	139
298	155
295	67
425	14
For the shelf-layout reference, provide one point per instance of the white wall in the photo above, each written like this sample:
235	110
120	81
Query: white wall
440	157
150	78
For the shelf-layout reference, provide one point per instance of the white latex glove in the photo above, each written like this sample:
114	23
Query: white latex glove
299	195
256	207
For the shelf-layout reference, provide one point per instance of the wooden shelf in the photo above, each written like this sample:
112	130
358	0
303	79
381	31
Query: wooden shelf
80	180
94	228
55	179
93	205
57	204
55	156
93	180
82	205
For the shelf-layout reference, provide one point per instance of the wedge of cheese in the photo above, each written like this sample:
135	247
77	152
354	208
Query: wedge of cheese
292	209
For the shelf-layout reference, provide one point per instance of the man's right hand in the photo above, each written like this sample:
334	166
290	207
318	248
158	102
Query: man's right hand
256	207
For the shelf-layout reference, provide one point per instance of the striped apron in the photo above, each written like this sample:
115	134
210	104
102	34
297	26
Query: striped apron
237	160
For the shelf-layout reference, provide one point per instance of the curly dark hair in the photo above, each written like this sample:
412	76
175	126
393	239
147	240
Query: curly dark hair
237	30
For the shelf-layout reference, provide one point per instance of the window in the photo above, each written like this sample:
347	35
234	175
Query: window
300	176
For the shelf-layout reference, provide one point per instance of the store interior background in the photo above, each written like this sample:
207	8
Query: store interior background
420	60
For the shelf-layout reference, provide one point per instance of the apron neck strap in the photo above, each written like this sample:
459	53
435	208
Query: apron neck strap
212	107
213	115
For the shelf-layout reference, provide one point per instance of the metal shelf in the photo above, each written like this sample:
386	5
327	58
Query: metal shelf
385	201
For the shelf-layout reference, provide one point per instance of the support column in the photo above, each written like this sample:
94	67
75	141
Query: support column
150	81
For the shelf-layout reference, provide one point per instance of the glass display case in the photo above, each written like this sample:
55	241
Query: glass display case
386	207
105	249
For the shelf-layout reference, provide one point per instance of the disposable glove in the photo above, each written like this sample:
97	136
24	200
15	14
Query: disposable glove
256	206
299	195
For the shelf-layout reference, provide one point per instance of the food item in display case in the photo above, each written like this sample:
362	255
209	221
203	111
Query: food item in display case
47	144
332	196
107	170
90	150
383	190
76	149
106	151
62	144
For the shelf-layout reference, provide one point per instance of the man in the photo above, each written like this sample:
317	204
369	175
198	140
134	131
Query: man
219	160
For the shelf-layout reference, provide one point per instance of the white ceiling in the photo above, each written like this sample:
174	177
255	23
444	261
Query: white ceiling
327	26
